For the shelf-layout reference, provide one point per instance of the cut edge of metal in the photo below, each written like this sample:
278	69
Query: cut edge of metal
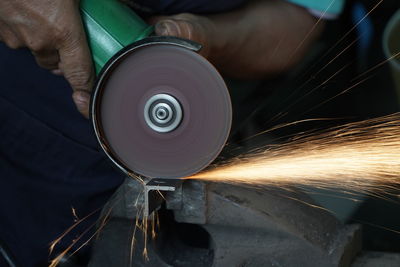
153	193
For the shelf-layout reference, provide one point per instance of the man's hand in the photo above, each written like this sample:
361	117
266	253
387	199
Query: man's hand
260	39
53	31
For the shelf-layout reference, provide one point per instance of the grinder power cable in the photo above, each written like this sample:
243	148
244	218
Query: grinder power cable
159	109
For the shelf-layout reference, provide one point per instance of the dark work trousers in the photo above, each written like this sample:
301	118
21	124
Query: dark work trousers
50	162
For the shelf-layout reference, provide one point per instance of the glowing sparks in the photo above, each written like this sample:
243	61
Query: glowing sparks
58	240
147	225
74	214
362	157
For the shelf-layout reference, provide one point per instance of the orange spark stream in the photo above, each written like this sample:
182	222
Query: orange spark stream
362	157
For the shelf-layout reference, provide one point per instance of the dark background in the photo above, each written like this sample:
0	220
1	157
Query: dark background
299	95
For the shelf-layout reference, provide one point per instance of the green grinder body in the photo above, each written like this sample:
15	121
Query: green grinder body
110	26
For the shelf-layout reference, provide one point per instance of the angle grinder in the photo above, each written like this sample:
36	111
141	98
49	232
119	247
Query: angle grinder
159	109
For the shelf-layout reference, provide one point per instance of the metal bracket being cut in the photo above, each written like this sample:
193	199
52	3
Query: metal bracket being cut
154	192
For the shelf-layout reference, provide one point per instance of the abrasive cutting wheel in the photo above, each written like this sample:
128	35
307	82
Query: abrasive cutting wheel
161	110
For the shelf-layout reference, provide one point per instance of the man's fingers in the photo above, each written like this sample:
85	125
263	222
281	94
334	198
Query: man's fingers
183	28
47	59
82	100
57	72
76	65
75	56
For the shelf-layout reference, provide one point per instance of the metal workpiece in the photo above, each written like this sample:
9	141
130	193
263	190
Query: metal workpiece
156	191
136	198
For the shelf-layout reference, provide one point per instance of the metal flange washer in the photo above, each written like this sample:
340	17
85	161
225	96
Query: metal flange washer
163	113
160	110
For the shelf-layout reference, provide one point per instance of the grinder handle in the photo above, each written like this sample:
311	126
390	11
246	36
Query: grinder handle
110	26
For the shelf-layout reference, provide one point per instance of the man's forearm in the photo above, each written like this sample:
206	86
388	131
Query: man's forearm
264	38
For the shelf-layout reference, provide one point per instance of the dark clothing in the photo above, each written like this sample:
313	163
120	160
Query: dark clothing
179	6
49	161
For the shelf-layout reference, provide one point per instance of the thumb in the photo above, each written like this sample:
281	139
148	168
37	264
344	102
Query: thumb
187	26
82	100
171	27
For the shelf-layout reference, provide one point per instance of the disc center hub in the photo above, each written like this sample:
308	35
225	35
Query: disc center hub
163	113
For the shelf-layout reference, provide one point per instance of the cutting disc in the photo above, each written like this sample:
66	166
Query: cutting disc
161	111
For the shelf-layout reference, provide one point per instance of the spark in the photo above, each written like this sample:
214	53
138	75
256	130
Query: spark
155	223
353	199
307	36
58	240
74	214
146	224
361	157
133	238
328	52
393	57
284	125
324	82
308	204
377	226
56	261
353	28
338	55
145	231
338	94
